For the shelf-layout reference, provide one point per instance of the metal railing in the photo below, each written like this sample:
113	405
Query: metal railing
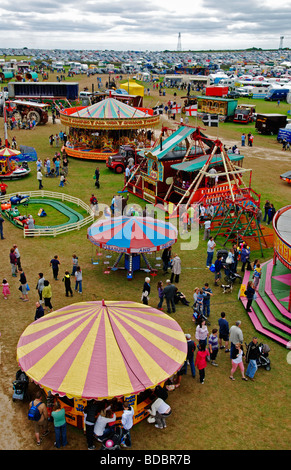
58	230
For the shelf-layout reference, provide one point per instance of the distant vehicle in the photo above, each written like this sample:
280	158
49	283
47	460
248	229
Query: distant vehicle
43	90
286	177
31	110
244	114
284	133
220	91
275	94
233	94
270	123
245	91
119	161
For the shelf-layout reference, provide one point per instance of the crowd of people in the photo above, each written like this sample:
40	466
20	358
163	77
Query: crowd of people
43	286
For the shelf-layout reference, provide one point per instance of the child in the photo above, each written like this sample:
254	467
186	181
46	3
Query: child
78	277
5	289
75	264
257	275
213	346
62	181
200	361
67	281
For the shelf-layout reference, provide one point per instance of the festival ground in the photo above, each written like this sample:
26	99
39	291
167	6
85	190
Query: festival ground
217	415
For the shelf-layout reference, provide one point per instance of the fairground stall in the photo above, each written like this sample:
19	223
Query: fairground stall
97	131
102	350
190	168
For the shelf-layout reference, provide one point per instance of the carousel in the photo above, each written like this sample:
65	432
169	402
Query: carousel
9	168
96	132
112	350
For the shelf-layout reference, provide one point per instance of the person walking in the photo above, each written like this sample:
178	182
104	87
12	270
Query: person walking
213	346
39	178
176	268
67	281
245	257
250	295
271	213
191	346
55	263
75	262
47	295
79	279
206	299
127	423
17	254
210	251
207	228
13	262
39	415
266	209
217	272
90	413
235	336
23	286
223	332
40	286
166	258
1	228
252	355
5	289
146	291
161	294
169	294
202	333
237	361
60	425
39	311
201	361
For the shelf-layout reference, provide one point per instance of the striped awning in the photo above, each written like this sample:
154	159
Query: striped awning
102	349
110	108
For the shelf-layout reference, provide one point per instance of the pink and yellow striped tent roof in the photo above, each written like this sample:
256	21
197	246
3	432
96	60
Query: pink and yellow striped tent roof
102	349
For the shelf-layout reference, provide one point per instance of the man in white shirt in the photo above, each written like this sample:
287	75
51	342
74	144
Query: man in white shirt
207	227
39	179
210	251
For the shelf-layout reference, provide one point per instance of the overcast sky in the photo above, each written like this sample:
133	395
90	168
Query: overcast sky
144	24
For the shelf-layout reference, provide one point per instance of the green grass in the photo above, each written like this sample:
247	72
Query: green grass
245	415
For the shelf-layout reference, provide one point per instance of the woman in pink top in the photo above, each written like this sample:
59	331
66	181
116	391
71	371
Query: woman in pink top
200	361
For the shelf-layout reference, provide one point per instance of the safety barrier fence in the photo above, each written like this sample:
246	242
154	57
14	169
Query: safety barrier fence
57	230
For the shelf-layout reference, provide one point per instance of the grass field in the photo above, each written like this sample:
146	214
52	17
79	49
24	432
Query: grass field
217	415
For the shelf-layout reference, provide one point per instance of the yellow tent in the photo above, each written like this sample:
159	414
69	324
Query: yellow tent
133	88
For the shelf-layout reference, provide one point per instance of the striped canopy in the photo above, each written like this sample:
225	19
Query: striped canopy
110	108
132	234
102	349
7	152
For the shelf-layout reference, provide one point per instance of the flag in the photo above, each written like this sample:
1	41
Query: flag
191	110
176	108
210	120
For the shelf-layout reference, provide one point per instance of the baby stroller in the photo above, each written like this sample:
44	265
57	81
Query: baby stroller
51	174
263	359
198	316
231	277
20	386
180	297
114	440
